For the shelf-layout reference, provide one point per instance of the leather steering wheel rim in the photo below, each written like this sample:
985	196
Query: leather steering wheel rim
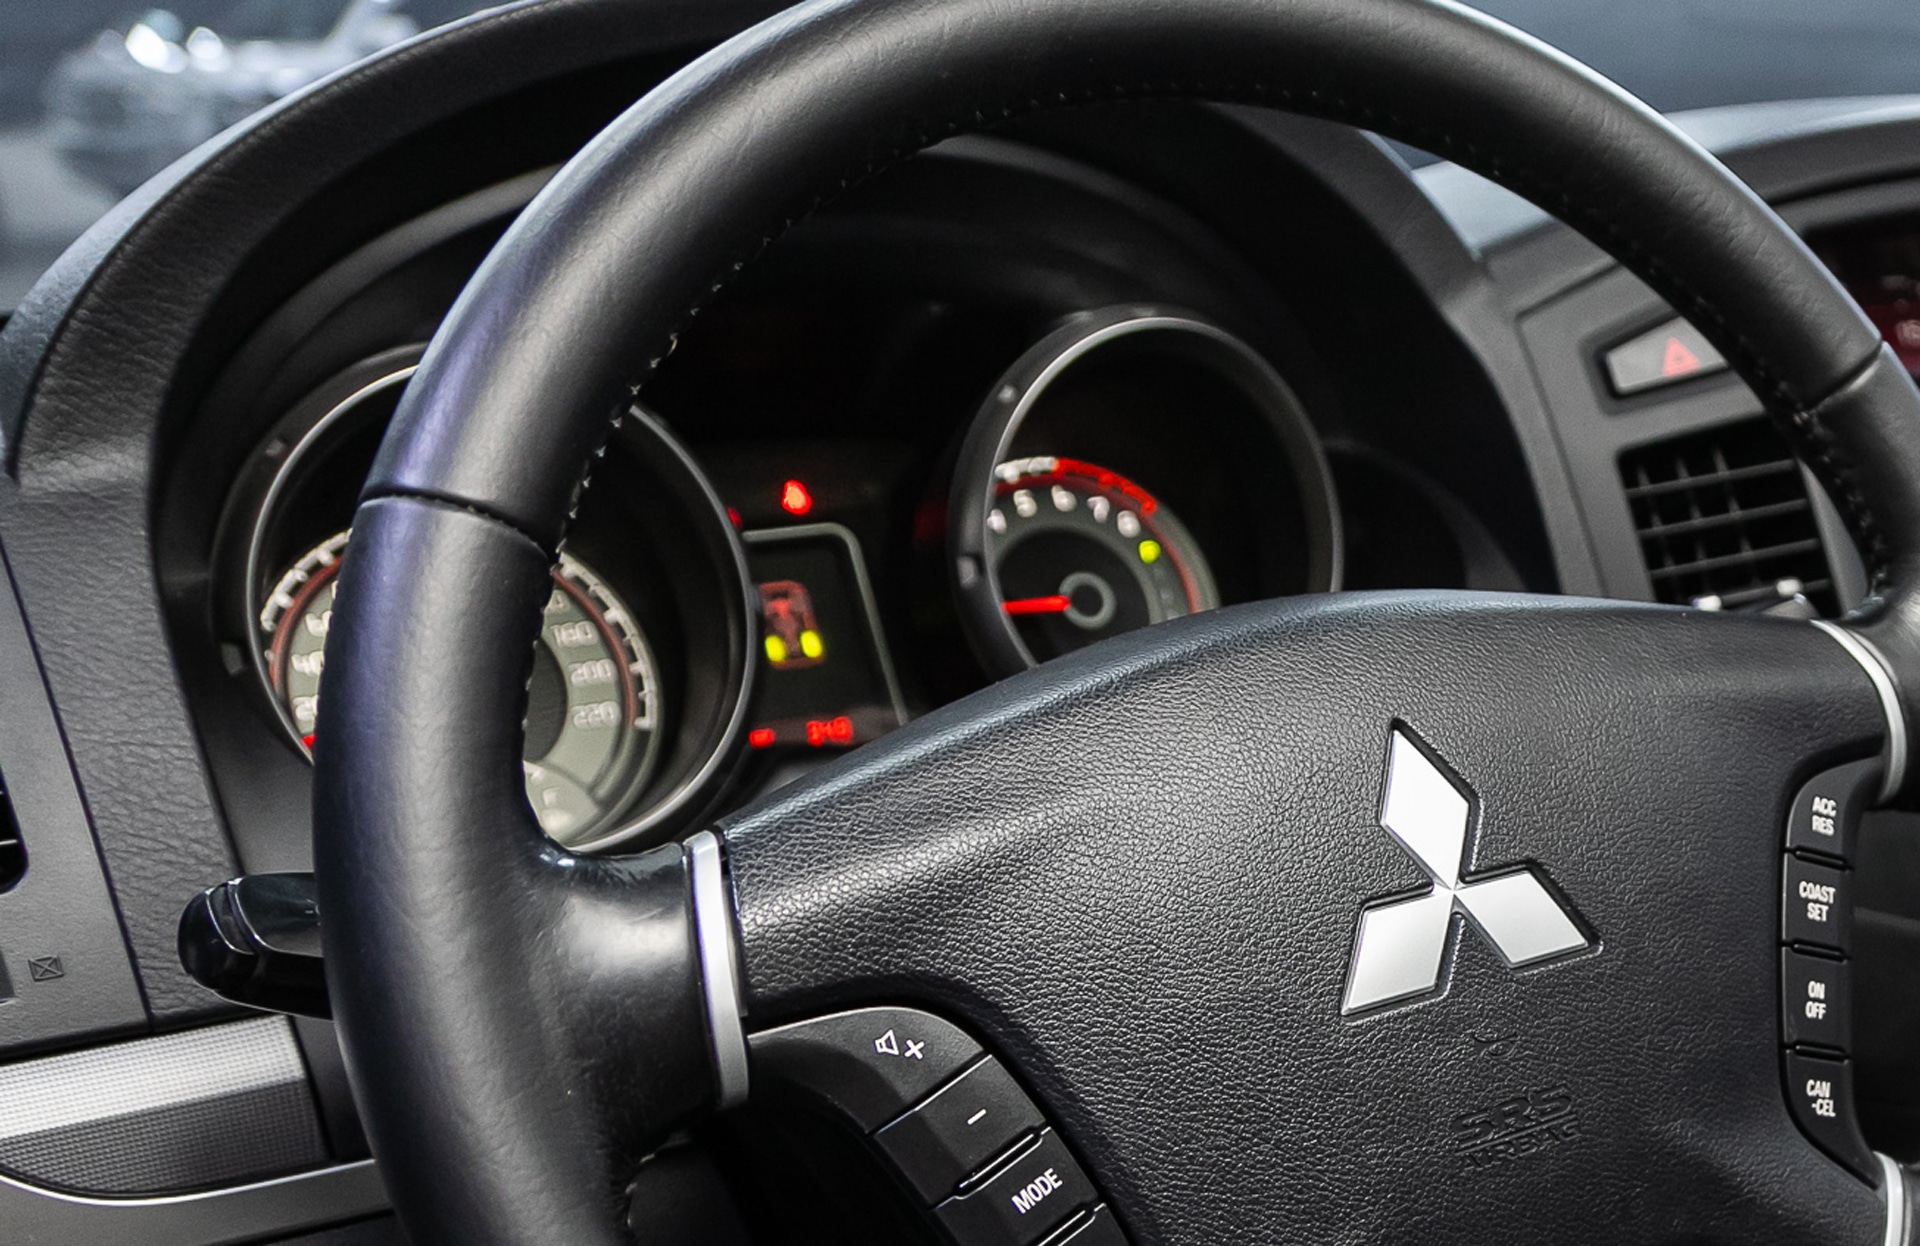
489	987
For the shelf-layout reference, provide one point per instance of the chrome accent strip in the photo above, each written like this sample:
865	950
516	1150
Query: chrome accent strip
1896	1188
719	970
265	1209
1861	650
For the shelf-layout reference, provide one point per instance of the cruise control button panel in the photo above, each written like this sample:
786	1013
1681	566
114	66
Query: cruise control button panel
969	1121
950	1121
1816	920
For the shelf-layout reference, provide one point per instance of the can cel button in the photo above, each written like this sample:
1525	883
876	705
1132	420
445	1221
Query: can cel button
1820	1092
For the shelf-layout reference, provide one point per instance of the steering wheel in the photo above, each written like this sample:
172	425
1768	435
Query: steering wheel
1378	916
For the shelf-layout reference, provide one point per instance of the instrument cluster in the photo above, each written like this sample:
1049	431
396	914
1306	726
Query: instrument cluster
1135	464
983	413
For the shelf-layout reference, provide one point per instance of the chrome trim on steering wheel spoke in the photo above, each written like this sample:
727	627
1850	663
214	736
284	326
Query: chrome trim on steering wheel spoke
1861	650
1895	1183
719	969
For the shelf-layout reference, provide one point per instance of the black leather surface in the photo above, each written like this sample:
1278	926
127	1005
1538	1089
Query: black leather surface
519	1024
1138	873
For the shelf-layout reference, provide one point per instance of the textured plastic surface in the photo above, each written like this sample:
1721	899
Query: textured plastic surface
214	1106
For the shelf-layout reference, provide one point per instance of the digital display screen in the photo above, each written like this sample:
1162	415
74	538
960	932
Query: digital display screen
1879	263
825	680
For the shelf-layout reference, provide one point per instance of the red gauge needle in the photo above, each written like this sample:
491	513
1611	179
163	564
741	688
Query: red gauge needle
1056	604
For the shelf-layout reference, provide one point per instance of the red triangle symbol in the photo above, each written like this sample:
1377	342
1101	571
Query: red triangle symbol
1679	361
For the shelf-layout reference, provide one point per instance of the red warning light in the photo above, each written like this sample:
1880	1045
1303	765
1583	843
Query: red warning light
794	498
1678	360
733	516
760	737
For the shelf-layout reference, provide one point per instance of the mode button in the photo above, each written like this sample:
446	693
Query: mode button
1023	1202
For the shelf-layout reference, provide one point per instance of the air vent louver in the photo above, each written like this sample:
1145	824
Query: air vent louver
1724	519
13	852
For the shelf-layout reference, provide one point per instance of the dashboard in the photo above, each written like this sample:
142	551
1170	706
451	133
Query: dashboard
1021	393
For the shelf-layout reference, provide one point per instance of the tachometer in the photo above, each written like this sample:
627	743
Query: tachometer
592	704
1084	553
1050	553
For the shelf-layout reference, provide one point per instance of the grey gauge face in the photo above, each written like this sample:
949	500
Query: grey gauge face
593	710
1081	553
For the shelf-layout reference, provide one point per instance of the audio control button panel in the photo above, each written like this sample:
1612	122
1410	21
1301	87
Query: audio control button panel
948	1120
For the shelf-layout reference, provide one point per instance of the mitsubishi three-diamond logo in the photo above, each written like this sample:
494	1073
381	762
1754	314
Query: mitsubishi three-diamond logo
1401	948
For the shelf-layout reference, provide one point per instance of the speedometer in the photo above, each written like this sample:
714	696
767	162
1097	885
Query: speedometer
592	702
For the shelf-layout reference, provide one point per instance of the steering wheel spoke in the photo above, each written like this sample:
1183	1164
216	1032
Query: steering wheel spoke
1147	881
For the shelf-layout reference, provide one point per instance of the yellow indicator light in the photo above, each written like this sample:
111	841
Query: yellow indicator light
776	650
1149	552
811	644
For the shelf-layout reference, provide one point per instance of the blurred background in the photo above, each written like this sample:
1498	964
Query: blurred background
96	96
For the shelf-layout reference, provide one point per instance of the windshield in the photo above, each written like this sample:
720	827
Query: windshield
96	96
278	19
1682	54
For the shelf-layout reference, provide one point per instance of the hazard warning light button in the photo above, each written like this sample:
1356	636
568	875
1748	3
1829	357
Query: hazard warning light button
1665	355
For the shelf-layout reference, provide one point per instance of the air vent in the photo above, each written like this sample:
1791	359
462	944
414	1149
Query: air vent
13	852
1725	521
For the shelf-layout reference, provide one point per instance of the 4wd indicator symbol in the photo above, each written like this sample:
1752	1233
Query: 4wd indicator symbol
1399	951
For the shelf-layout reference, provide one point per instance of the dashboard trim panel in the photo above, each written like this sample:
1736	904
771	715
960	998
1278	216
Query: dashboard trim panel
36	1216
